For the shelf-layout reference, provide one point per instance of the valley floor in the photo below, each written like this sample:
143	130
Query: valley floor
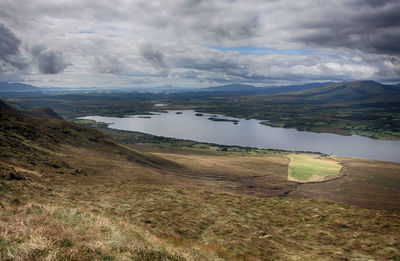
363	183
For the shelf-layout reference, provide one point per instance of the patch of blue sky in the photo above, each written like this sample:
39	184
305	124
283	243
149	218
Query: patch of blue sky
261	51
85	32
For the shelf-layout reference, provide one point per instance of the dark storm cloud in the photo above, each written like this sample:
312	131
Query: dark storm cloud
10	54
222	70
207	63
237	29
48	61
372	3
155	58
373	27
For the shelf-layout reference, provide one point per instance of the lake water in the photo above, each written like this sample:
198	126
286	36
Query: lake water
251	133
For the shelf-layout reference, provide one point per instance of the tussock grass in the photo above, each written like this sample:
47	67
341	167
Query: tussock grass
131	221
35	231
259	229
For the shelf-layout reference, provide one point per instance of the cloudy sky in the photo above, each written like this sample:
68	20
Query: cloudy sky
198	42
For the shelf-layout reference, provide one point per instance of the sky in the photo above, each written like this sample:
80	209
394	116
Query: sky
194	43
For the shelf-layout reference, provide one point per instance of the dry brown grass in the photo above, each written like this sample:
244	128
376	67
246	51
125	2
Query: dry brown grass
258	174
49	232
121	221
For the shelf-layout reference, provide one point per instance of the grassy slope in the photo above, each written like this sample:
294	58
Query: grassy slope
100	200
303	167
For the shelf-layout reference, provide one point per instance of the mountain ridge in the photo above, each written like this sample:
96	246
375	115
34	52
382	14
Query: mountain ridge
347	91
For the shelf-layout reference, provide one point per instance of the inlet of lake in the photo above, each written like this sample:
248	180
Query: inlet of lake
250	133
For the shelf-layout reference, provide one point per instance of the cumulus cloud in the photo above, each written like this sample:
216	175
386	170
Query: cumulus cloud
108	64
155	57
48	61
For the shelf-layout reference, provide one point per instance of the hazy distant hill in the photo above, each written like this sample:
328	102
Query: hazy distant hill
18	90
292	88
5	86
231	87
349	91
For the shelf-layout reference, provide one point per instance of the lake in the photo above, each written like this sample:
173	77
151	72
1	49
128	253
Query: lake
250	133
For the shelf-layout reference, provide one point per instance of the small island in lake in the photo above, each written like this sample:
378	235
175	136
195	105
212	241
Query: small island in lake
221	119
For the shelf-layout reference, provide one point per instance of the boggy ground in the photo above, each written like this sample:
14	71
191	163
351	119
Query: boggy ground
363	183
68	192
366	183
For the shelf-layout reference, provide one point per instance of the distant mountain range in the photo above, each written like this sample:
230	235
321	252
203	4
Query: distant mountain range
332	91
250	89
351	91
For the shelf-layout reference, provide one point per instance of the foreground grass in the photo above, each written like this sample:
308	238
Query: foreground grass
311	168
152	222
35	231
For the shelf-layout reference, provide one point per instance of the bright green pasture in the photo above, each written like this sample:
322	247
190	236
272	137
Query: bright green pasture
304	166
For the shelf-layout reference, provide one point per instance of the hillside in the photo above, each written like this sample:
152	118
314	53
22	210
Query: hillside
68	192
44	113
4	106
42	142
348	91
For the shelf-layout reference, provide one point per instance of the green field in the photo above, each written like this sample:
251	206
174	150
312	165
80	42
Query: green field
305	167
